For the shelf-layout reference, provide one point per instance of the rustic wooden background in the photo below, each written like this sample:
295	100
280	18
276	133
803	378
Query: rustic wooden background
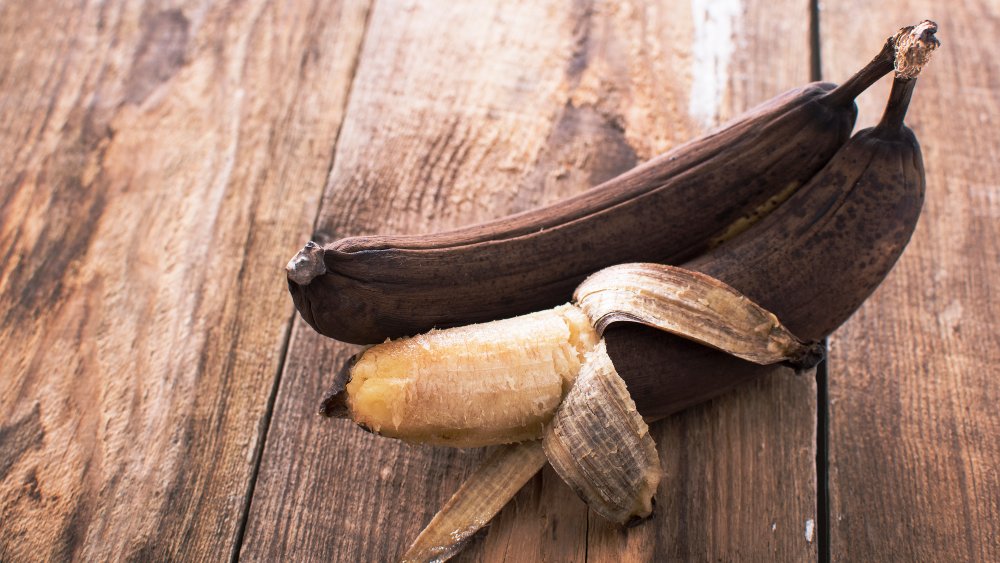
161	161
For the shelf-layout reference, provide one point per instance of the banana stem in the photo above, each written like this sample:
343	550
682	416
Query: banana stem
906	52
882	64
914	46
899	102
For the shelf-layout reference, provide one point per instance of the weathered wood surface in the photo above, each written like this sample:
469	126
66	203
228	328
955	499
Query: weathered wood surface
914	387
460	113
156	164
159	164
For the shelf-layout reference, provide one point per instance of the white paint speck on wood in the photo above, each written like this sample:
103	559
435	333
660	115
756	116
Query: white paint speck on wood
712	51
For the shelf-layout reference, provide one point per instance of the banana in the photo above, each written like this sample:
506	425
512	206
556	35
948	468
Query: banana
502	381
810	263
694	306
366	289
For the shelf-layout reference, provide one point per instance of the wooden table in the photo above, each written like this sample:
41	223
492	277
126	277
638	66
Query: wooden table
160	163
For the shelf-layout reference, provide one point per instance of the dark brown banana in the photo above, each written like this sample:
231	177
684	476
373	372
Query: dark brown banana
812	262
365	289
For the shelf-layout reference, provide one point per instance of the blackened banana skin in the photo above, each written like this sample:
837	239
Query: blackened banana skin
367	289
812	262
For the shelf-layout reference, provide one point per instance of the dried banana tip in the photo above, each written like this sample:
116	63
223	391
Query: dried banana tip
810	357
914	46
307	265
334	403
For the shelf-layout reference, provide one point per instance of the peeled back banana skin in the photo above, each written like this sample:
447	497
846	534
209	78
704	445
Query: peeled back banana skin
600	446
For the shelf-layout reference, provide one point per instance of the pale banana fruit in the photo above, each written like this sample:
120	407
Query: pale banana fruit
478	385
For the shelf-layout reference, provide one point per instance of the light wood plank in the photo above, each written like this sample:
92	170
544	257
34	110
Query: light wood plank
914	427
461	113
155	164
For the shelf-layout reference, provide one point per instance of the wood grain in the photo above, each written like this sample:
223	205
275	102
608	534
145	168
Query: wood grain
913	378
155	163
463	113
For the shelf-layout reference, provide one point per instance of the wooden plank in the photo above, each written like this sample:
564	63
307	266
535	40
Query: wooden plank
739	481
740	471
155	164
913	380
461	113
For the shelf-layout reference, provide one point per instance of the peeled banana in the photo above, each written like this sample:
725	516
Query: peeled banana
469	386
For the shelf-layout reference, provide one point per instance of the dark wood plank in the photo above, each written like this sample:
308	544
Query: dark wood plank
914	427
155	164
462	113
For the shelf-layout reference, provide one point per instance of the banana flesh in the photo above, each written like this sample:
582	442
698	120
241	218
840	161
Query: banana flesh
478	385
600	446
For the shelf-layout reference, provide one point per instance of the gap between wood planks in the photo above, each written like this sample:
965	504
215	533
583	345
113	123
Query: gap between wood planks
822	372
265	426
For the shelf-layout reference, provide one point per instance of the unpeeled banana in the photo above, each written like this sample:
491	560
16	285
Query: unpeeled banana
366	289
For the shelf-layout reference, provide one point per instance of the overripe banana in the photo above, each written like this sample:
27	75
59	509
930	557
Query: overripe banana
662	336
365	289
812	262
